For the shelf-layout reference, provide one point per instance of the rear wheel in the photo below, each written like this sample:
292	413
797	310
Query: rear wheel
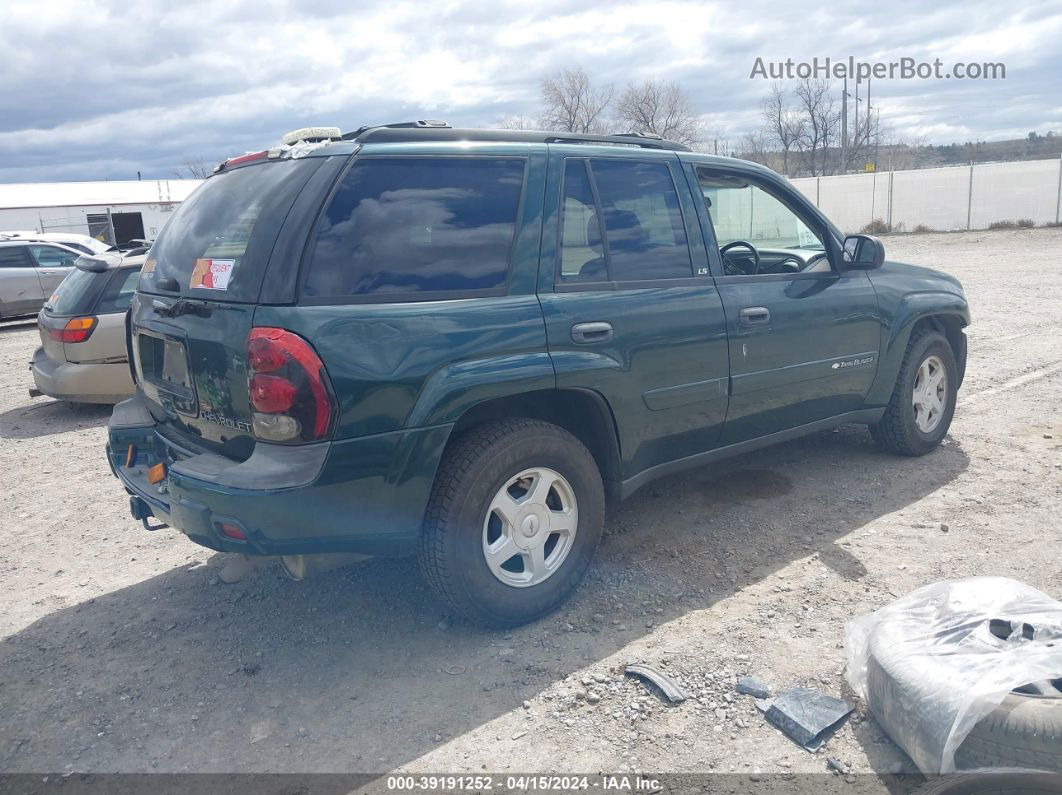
923	401
514	518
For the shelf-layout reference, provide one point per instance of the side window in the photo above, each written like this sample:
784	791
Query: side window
14	257
582	252
417	225
119	293
744	214
51	257
644	236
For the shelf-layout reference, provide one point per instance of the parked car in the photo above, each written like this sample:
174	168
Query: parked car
83	355
83	243
464	343
29	272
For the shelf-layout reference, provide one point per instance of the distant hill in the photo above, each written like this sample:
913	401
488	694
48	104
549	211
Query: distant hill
1032	147
911	156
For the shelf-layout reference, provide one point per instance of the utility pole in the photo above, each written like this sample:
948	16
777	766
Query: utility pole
844	124
867	129
1058	201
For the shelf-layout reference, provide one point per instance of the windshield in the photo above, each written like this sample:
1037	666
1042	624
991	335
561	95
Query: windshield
219	240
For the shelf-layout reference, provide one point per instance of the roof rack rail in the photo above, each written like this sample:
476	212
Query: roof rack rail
430	130
419	124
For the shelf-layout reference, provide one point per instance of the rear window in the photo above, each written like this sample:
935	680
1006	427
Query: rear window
77	293
218	242
405	227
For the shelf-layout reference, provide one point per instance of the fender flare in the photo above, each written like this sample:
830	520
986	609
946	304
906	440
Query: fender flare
897	333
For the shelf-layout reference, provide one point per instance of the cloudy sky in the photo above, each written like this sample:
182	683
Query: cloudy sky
92	90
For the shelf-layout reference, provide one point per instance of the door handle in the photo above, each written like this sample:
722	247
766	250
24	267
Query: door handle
587	333
754	316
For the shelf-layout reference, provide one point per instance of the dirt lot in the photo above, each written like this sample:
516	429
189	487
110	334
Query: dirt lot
123	652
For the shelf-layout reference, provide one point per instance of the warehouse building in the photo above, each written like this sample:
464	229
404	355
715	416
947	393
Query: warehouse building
114	212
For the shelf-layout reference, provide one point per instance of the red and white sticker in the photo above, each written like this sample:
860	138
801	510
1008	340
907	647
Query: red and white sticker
212	274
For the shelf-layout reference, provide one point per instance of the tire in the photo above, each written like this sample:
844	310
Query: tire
898	431
459	521
997	782
1022	732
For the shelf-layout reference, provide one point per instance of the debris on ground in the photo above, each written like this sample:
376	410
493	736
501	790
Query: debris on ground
667	686
807	716
751	686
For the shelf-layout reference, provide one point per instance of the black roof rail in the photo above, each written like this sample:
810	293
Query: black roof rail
420	124
440	131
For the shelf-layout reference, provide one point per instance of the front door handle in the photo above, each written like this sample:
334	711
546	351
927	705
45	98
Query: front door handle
587	333
754	316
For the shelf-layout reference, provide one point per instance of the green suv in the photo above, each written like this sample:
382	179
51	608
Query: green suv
465	344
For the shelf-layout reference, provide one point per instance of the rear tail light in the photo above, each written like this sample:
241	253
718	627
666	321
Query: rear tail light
76	329
290	393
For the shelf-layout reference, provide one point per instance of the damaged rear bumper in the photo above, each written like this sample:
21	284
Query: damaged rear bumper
364	495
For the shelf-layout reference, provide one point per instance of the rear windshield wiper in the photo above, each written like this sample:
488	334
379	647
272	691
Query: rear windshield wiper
182	306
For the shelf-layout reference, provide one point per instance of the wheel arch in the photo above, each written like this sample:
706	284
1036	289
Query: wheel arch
584	413
946	313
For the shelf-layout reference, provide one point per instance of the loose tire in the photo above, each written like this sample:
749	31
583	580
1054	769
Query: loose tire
995	782
1024	731
513	521
921	407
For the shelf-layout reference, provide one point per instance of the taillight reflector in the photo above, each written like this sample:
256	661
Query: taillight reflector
231	531
76	329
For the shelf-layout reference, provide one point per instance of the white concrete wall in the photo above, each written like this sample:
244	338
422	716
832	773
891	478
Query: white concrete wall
941	198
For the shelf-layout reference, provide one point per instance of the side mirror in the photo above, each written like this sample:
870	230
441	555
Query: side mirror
863	252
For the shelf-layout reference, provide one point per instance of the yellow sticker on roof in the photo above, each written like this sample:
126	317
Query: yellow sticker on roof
212	274
149	266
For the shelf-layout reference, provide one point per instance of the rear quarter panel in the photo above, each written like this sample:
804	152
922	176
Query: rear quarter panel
106	344
413	365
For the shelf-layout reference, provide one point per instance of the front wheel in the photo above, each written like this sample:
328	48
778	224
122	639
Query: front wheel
513	521
923	401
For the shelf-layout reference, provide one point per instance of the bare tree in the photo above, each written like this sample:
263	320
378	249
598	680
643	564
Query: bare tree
784	127
820	123
516	122
571	103
198	167
662	108
755	146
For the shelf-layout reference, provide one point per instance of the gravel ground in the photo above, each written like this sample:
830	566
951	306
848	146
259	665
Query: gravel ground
123	652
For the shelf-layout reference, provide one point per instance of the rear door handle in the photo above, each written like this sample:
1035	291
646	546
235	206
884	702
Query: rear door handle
587	333
754	316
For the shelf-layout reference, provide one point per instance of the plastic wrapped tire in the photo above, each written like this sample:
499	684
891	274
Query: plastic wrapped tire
999	782
1022	732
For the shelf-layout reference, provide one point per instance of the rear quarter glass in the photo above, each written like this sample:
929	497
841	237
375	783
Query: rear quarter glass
233	218
119	293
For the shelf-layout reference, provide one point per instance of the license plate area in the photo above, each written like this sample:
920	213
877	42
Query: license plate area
162	362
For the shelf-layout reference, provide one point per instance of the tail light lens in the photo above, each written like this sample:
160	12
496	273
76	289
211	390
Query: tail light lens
76	329
289	389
